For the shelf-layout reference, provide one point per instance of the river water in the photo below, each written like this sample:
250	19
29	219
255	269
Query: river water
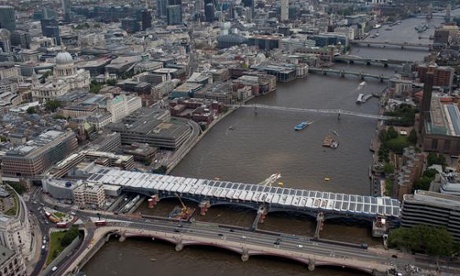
265	143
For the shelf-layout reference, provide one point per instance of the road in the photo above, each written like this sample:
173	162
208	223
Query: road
281	244
218	234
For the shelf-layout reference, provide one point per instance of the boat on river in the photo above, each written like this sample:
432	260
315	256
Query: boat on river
302	125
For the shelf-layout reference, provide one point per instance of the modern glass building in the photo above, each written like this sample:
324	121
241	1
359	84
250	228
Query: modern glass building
7	18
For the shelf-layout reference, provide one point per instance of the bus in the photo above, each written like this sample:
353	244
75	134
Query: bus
100	222
61	225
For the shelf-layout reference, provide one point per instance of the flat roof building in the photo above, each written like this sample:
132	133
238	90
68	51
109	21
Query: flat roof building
38	155
434	209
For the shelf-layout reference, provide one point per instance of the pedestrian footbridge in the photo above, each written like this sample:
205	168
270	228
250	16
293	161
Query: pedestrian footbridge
272	199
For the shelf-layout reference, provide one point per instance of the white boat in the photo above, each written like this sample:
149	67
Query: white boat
360	98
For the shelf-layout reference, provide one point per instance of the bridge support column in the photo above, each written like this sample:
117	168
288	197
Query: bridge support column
342	74
319	224
385	65
122	237
153	200
245	255
179	246
381	78
323	72
204	206
311	264
402	47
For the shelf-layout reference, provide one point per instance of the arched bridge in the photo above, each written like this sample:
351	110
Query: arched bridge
213	192
387	43
343	73
251	244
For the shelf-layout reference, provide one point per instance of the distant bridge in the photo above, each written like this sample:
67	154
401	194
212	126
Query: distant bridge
312	110
370	61
343	73
403	45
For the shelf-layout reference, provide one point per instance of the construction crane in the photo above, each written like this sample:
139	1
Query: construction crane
270	180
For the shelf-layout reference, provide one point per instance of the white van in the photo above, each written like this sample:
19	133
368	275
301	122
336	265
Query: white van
54	268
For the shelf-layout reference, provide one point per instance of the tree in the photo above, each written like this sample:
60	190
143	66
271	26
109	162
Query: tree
388	168
423	183
112	82
436	158
161	170
436	241
52	105
392	133
31	110
95	87
69	236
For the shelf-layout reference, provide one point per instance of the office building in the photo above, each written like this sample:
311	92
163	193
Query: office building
443	76
89	194
20	38
36	156
7	18
434	209
66	10
130	25
161	8
152	126
284	11
209	11
146	18
174	14
50	28
5	40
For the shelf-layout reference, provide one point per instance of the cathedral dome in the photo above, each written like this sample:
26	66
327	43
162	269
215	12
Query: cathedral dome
63	58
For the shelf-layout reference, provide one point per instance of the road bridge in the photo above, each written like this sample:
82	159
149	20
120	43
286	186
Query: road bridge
312	253
342	73
314	110
403	45
215	192
369	61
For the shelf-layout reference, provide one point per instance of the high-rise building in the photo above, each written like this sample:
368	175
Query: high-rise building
146	18
66	9
7	18
20	38
249	4
426	99
161	8
174	12
284	14
209	11
50	28
5	40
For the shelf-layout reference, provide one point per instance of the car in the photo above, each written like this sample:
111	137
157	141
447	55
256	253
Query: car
394	256
220	235
231	230
276	243
54	268
176	230
300	246
243	237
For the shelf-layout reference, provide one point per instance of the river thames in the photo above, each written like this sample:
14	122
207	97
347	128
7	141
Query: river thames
265	143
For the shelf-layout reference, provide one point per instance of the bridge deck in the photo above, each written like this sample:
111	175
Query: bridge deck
284	197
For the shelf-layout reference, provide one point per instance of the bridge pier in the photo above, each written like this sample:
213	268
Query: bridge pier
342	73
245	255
323	72
402	47
260	217
311	264
179	246
153	200
204	206
368	63
381	78
385	65
122	238
319	224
